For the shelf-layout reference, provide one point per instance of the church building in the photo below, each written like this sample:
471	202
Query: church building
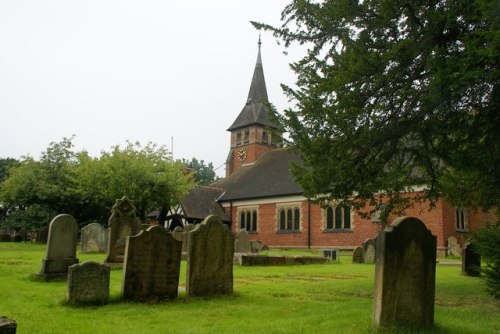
260	195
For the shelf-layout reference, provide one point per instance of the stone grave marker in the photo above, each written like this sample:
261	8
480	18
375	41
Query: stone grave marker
210	259
152	265
369	251
405	276
454	247
122	224
88	283
24	234
256	246
471	260
42	235
180	234
93	238
61	247
357	255
7	326
242	244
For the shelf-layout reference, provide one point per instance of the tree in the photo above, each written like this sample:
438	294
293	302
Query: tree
204	174
488	239
395	94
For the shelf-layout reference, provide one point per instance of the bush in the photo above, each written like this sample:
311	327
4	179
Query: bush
488	240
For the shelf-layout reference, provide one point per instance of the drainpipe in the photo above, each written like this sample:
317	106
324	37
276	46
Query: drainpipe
231	213
308	224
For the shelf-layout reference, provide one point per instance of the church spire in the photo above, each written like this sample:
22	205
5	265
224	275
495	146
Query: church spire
258	92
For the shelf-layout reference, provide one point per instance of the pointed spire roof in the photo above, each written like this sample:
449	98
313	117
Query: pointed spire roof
255	110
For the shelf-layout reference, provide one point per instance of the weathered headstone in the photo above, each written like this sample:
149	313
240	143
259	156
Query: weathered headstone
93	238
180	234
61	247
454	247
23	233
7	326
256	246
369	251
405	276
357	255
88	283
152	265
210	259
122	224
471	260
42	235
241	244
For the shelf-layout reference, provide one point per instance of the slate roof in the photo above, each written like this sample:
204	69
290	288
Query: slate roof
201	201
255	110
269	176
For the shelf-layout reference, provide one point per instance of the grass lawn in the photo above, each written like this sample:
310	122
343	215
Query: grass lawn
328	298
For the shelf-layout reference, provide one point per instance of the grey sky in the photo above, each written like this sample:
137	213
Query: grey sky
108	71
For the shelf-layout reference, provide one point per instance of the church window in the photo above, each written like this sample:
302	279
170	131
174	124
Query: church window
337	218
461	220
289	219
238	138
248	219
265	136
246	140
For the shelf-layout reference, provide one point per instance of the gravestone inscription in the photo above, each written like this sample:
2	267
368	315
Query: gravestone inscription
88	283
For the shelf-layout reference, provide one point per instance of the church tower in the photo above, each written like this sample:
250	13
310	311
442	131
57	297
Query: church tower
254	132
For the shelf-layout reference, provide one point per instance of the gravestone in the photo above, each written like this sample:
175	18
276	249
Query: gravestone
180	234
256	246
88	283
454	247
122	224
7	326
241	244
405	276
357	255
210	259
93	238
471	260
369	251
152	265
61	247
23	233
42	235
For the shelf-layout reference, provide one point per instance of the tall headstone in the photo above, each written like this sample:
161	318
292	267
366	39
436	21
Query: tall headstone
357	255
152	265
471	260
210	259
242	244
93	238
122	224
88	283
61	247
405	276
369	251
454	247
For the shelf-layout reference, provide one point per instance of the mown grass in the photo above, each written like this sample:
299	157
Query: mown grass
330	298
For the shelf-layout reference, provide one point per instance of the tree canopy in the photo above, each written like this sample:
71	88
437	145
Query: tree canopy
395	94
64	181
204	174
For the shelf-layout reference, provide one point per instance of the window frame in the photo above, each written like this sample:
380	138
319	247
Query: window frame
250	221
331	214
289	218
461	220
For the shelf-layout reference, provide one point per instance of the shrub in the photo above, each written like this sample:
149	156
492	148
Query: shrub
488	240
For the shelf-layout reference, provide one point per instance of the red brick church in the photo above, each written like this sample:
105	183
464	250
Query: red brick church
260	195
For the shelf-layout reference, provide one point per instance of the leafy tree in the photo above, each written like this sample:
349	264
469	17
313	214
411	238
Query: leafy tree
488	240
204	174
5	165
147	175
394	94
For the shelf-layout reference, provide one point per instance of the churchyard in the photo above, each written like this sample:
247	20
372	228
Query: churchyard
326	298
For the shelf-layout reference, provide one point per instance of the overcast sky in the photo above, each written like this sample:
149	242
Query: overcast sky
108	71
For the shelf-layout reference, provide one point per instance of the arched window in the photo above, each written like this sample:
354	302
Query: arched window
248	219
337	218
289	219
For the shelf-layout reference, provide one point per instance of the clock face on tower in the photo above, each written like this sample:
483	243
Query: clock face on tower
242	155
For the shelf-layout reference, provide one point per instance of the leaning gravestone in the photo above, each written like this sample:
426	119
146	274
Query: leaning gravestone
61	247
210	259
405	276
369	251
471	260
242	244
122	223
152	265
357	255
88	283
454	247
93	238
